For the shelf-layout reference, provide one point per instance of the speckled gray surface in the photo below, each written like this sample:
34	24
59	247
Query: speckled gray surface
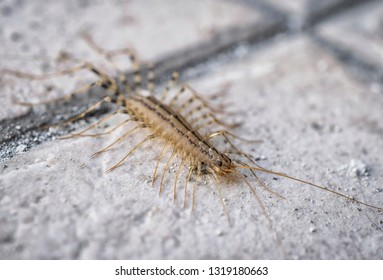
317	122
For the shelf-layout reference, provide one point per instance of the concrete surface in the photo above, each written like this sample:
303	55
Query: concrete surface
317	122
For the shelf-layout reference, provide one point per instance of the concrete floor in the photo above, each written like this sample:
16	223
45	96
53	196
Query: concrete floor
317	114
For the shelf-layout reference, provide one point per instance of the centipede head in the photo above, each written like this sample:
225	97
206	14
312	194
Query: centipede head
222	164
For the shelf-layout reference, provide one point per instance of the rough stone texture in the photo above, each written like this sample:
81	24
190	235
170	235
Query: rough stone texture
155	28
313	126
358	32
317	123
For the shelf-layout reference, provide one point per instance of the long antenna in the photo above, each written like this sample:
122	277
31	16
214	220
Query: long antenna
309	183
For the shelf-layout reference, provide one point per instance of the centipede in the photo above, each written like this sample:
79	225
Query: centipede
183	120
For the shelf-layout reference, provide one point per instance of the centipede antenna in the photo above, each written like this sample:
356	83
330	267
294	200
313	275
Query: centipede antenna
221	200
311	184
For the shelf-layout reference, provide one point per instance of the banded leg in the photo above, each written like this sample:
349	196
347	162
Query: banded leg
166	168
82	114
199	167
171	83
108	55
225	132
158	161
96	124
118	140
177	175
151	78
120	162
195	96
105	81
191	169
211	119
264	211
217	182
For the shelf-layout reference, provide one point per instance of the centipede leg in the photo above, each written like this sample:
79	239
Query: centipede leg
166	168
126	134
225	133
211	120
104	119
119	163
199	167
177	175
108	131
191	169
174	79
158	161
264	211
105	81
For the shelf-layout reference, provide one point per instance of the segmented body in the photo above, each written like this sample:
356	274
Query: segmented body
175	129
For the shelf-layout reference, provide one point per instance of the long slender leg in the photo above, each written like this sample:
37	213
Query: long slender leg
195	185
106	99
126	134
166	168
260	181
107	117
108	131
194	93
131	152
108	55
190	101
186	184
170	84
151	78
217	182
264	211
240	152
211	120
225	132
158	161
177	175
105	81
